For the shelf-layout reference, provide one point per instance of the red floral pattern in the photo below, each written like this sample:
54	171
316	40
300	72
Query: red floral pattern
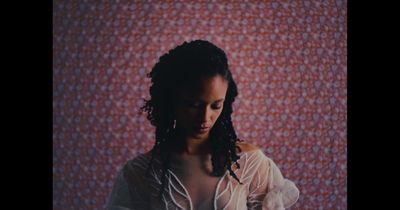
287	57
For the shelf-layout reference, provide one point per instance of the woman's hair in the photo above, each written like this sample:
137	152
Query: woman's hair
182	66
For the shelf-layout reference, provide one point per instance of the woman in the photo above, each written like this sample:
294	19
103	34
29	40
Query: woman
197	161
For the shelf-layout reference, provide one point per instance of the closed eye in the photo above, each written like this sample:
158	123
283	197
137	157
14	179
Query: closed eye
216	106
191	104
196	104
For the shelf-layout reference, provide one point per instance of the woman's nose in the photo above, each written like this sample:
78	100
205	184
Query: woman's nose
205	114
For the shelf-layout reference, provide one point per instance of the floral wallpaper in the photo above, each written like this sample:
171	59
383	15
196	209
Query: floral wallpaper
288	58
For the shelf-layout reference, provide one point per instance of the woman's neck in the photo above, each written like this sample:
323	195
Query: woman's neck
191	146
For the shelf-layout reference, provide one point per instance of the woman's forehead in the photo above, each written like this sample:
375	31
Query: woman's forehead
208	88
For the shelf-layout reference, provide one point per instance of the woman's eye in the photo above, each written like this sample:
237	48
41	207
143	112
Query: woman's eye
216	106
192	104
195	105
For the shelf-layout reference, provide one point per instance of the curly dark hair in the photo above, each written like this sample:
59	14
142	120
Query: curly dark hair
179	67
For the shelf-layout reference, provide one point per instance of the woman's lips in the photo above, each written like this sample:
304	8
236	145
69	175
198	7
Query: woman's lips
202	129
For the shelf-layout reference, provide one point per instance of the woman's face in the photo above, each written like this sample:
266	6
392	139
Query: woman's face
199	106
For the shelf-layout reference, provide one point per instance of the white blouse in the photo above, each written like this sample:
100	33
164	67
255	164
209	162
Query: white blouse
263	187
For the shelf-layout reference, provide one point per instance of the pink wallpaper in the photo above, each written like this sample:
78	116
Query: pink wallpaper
287	57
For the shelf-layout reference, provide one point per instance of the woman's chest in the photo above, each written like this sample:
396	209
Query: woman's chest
195	177
190	185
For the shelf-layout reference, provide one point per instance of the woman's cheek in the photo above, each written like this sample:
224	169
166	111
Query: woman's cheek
217	114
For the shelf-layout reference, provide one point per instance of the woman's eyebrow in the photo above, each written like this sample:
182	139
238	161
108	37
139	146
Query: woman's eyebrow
219	100
201	101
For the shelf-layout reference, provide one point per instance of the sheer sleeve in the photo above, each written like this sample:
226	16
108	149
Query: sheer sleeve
125	194
269	190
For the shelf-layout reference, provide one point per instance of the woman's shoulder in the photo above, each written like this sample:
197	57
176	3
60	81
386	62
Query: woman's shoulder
138	162
245	147
252	152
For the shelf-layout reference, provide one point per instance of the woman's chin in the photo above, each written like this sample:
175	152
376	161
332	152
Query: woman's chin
200	135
